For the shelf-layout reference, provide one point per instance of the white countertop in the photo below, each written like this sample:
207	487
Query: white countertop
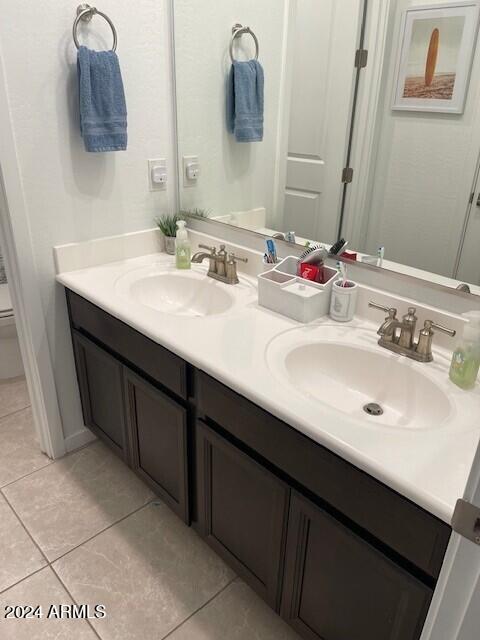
428	466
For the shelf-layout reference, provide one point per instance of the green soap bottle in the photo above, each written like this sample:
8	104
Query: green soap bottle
466	357
182	247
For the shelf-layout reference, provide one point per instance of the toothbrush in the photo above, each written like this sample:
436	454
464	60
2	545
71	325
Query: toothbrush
343	271
271	251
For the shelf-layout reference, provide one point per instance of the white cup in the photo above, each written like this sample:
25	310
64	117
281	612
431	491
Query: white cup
343	301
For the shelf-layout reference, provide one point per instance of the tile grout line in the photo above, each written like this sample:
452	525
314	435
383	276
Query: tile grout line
25	528
113	524
15	584
50	461
12	413
49	563
75	602
27	475
194	613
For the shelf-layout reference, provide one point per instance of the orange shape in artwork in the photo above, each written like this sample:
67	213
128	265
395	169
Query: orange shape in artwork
432	57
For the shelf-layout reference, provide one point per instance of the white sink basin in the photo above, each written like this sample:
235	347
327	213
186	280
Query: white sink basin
182	293
344	368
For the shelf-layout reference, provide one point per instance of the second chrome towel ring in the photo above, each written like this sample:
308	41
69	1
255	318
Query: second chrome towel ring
238	30
85	13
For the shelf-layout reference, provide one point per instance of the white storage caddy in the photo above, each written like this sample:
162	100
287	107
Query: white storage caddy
281	290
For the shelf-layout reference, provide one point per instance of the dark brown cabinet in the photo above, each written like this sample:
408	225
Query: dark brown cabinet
243	512
131	347
338	587
158	431
101	389
339	554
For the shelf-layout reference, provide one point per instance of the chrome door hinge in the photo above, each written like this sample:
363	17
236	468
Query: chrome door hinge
347	175
361	58
466	521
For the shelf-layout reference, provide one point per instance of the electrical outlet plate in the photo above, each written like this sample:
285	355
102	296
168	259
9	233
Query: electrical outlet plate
186	180
159	166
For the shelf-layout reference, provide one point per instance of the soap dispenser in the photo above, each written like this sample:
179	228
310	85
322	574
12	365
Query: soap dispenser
182	246
466	357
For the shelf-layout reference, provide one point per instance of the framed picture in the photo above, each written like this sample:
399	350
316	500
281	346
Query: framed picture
435	56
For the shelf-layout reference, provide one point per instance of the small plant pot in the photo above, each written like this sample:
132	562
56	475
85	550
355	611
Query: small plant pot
170	245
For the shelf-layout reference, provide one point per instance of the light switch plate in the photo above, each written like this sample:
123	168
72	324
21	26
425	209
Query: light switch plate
189	160
157	170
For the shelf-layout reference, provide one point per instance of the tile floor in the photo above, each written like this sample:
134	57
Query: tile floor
86	530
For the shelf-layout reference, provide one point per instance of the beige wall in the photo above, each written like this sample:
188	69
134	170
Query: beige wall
72	195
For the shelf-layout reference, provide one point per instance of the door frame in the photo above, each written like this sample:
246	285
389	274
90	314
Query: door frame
24	287
369	103
454	612
283	128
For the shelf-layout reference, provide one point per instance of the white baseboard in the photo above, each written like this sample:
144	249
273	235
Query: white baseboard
79	439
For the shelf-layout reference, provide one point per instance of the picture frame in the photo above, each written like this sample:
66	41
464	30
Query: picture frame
435	55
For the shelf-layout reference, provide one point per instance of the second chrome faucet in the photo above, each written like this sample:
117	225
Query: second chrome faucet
399	335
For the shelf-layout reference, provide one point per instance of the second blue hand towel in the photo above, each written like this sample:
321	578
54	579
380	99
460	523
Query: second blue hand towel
245	101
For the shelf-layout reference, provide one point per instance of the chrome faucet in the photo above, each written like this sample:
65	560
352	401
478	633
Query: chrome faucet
399	335
222	265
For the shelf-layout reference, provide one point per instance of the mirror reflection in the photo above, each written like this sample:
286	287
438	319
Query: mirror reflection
315	120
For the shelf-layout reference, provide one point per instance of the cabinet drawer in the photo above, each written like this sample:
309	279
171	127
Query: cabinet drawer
337	586
101	391
242	512
144	354
407	529
158	431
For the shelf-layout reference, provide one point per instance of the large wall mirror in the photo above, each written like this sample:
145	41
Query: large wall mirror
381	148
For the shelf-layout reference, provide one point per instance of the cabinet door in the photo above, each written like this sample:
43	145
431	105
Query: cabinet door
101	390
338	587
242	512
158	430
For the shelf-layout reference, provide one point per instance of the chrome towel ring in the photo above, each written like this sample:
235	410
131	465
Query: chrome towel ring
238	30
85	13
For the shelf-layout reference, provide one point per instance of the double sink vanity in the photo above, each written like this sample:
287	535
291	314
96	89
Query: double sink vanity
322	467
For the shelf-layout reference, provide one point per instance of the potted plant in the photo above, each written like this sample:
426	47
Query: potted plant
195	213
168	226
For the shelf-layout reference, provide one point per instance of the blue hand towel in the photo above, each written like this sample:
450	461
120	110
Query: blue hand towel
245	101
103	111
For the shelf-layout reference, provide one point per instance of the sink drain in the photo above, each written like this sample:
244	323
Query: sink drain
373	409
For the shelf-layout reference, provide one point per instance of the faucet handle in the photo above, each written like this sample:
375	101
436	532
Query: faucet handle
425	339
204	246
429	325
392	312
233	258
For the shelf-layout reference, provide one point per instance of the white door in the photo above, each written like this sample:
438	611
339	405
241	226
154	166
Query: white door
455	610
323	82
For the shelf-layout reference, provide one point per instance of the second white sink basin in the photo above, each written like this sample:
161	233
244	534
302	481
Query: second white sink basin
345	369
182	293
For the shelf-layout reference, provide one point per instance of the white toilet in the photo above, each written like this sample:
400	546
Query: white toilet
11	365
